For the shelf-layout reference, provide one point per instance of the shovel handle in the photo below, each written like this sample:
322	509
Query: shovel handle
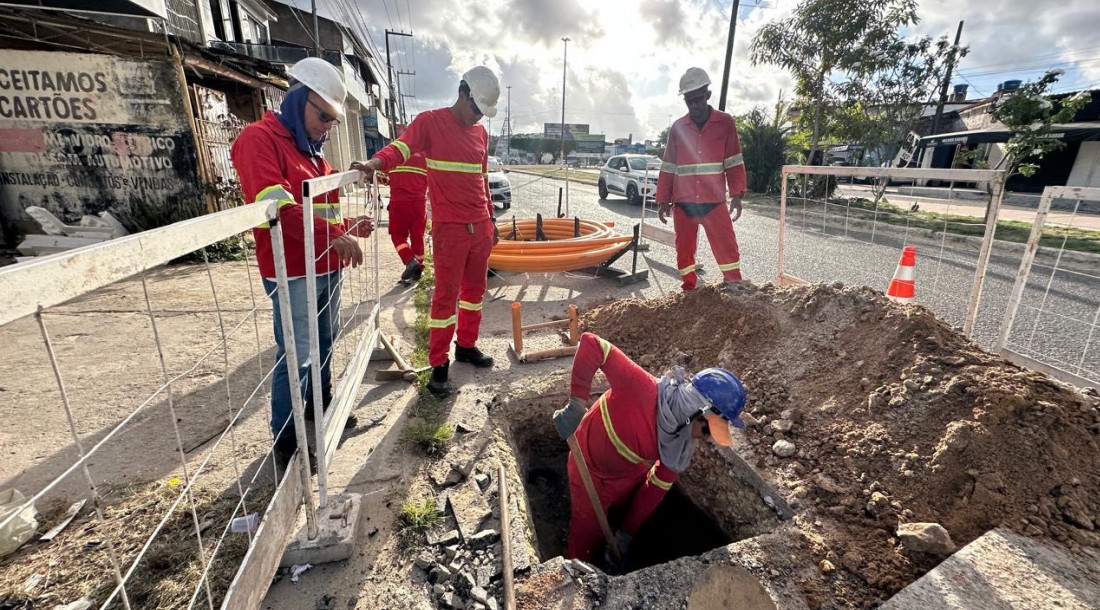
597	506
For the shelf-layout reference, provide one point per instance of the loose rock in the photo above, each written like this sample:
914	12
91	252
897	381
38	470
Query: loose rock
784	448
929	538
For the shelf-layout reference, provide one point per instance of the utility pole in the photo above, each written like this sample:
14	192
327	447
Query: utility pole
564	62
316	32
508	125
390	76
946	83
402	96
729	57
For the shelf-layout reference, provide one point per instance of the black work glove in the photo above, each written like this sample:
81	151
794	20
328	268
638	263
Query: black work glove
569	417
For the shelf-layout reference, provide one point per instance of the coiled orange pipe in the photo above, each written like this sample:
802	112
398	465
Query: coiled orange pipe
561	252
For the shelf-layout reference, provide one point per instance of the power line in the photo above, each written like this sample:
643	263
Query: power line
1037	57
1035	67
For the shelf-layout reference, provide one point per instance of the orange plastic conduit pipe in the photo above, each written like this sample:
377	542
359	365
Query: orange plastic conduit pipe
562	251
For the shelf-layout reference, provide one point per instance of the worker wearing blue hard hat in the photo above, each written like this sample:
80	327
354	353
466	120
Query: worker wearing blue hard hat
636	438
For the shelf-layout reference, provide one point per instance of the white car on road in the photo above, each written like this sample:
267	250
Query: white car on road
500	189
633	176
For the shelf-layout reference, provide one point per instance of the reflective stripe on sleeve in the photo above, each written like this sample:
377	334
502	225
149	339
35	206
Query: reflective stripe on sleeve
668	167
733	161
653	478
402	148
620	446
605	346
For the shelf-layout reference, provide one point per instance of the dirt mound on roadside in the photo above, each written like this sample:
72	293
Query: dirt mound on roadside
894	417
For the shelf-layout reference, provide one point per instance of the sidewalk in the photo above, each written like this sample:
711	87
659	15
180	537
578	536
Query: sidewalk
967	207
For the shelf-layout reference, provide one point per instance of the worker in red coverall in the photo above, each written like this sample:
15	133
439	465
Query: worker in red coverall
456	151
272	157
637	437
702	158
409	214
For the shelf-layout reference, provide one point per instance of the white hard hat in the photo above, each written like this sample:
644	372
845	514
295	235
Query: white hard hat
484	89
323	79
694	78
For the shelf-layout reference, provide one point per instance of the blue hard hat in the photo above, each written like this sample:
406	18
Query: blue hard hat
724	392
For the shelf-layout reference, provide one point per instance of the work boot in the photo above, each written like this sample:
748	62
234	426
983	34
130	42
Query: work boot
438	385
352	420
472	355
419	273
413	269
284	449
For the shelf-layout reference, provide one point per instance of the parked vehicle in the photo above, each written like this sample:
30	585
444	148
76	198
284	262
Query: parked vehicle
633	176
500	189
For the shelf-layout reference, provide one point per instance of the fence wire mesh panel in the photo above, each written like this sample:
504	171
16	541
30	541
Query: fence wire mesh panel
851	224
1052	322
137	376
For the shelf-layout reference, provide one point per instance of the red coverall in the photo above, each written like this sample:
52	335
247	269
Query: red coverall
408	208
697	167
457	158
618	437
279	176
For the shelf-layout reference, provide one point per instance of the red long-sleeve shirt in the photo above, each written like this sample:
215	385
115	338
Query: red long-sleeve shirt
457	158
271	167
409	181
699	164
619	432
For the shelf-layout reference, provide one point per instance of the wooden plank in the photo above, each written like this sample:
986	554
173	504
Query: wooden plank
787	279
54	279
983	257
659	235
1025	268
956	175
259	565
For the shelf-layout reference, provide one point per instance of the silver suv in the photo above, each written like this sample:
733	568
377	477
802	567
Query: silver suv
627	175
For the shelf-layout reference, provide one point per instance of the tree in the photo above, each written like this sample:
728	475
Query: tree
890	84
765	146
663	137
1030	115
823	36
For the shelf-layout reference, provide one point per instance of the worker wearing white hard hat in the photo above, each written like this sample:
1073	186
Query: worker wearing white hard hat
702	163
273	156
456	150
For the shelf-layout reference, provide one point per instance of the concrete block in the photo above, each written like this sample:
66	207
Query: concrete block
1002	570
337	527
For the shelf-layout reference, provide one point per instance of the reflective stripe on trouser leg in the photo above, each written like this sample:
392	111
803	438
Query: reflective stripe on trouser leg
452	244
723	242
472	290
687	239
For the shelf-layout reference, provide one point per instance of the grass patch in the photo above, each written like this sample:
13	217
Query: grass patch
1014	231
429	435
415	521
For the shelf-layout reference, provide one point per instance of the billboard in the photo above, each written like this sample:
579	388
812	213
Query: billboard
589	143
572	130
86	133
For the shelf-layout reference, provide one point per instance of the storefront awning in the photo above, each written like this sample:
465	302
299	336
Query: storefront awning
1066	132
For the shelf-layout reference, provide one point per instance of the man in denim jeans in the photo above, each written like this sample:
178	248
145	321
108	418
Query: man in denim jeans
272	157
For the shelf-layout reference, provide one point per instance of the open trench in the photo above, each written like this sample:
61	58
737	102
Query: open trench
706	508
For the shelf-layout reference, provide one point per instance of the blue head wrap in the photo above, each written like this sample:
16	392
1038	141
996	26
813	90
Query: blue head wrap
292	114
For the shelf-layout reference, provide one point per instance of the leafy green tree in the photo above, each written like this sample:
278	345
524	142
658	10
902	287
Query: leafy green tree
825	36
765	145
1030	114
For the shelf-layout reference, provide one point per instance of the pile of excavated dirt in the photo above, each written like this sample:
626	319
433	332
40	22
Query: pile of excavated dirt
867	414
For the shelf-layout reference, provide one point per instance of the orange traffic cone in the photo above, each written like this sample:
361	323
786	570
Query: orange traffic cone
904	285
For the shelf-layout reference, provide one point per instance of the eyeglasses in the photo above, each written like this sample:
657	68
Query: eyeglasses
473	106
325	116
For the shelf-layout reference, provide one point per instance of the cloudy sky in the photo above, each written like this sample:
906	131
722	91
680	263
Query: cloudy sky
625	58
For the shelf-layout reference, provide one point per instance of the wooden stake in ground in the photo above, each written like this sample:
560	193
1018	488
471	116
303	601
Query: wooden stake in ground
506	542
597	506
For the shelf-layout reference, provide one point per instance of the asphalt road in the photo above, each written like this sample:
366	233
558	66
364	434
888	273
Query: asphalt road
1056	324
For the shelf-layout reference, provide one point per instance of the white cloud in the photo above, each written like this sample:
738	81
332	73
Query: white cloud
625	59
